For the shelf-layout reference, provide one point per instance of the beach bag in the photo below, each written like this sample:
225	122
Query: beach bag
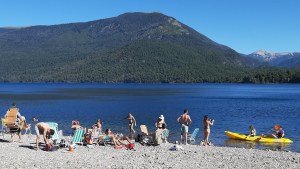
130	146
63	143
139	138
50	147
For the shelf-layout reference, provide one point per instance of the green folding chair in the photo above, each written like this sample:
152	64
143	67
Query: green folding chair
78	136
192	137
55	137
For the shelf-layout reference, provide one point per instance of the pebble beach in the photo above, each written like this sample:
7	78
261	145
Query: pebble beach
24	155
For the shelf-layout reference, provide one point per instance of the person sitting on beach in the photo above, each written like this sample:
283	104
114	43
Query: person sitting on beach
75	125
20	119
185	122
160	121
98	125
116	139
252	131
43	128
207	123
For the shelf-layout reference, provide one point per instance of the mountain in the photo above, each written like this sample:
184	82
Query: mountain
283	59
132	47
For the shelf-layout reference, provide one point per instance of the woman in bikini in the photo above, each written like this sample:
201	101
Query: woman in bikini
131	121
207	123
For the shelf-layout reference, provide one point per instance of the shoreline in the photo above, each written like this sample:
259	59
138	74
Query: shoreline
22	155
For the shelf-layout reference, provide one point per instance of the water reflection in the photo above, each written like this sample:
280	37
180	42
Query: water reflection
258	145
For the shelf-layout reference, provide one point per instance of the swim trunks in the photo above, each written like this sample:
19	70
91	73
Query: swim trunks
184	129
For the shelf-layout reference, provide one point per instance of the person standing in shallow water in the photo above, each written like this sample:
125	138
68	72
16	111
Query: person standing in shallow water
185	120
131	122
207	123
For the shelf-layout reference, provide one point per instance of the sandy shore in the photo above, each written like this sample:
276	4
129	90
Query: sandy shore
22	155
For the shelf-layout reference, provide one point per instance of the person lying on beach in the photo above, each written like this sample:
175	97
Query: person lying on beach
116	139
46	131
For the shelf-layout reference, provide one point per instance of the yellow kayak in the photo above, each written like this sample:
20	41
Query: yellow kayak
238	136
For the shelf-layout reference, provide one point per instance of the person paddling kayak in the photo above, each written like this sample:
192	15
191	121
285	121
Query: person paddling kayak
279	132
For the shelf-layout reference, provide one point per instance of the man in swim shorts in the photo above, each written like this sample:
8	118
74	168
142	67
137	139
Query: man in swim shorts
46	131
185	121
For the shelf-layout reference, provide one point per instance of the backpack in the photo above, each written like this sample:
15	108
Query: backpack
139	138
50	147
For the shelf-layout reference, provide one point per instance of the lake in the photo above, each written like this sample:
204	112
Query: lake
233	106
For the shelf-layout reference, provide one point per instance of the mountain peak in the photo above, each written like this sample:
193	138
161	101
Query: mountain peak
281	59
263	52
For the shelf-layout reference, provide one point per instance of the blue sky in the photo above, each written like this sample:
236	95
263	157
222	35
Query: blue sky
244	25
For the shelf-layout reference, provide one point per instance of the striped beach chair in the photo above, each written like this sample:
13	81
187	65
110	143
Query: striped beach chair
78	136
165	135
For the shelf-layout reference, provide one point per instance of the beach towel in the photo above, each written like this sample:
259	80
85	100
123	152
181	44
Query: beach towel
130	146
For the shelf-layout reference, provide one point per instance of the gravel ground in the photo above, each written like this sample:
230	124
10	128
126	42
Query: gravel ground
23	155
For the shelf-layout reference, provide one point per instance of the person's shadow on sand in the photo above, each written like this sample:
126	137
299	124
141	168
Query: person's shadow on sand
4	141
27	146
33	146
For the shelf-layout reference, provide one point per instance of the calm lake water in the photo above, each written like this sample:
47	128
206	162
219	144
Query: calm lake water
233	106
